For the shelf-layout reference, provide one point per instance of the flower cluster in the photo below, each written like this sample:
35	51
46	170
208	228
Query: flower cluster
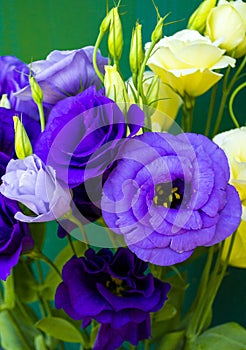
103	157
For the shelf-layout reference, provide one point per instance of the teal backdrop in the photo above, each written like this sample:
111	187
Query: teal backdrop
31	29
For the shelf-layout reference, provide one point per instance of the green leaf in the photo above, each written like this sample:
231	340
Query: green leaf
60	329
9	292
166	313
229	336
26	288
52	279
39	343
172	341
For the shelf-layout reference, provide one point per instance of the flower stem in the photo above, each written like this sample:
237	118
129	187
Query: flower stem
234	94
18	330
41	116
211	109
72	245
97	44
225	92
187	113
48	262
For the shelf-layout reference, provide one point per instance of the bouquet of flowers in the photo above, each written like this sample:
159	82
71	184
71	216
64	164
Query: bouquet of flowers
97	160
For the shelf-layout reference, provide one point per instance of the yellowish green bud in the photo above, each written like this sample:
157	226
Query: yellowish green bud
37	93
115	87
115	38
4	102
23	147
197	20
157	32
136	50
104	27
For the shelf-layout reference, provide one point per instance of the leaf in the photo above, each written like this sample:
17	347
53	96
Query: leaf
60	329
26	288
39	343
229	336
172	341
52	279
9	292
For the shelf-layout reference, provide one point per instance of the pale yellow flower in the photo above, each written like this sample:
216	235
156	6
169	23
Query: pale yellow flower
186	61
226	24
233	142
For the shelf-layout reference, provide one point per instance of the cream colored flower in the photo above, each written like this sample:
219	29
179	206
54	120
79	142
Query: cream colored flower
186	61
167	106
226	23
233	142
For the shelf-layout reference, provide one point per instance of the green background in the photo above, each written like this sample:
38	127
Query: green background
31	29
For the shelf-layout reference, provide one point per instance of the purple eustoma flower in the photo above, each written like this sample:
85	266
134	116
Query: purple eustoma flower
33	184
170	194
115	291
14	236
63	74
82	135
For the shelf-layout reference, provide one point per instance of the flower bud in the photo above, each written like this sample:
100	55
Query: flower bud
225	25
37	93
198	18
4	102
104	27
157	32
115	87
136	50
23	147
115	38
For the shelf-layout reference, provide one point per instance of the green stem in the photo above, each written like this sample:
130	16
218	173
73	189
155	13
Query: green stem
200	300
187	113
234	94
69	216
211	109
41	116
71	245
49	262
97	44
226	91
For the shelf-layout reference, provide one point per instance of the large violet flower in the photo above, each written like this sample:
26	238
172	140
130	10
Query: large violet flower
63	74
81	137
115	291
169	194
33	184
14	236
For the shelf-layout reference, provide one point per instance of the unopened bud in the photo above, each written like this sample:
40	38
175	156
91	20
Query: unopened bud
37	93
115	38
136	50
157	32
115	87
198	18
104	27
23	147
4	102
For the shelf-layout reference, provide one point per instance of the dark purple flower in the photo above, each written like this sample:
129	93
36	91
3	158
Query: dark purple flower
7	134
82	134
169	194
115	291
14	236
64	73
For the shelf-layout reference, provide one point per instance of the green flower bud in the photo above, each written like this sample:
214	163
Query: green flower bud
104	27
157	32
23	147
37	93
115	38
198	18
4	102
115	87
136	50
